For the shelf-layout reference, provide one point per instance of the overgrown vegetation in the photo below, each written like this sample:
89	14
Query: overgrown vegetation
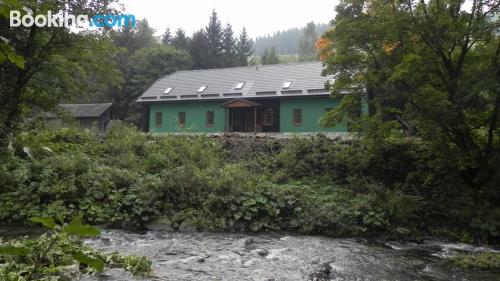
60	255
486	261
129	179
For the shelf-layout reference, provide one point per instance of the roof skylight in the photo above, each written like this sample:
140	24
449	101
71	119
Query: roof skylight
286	84
167	90
239	86
202	89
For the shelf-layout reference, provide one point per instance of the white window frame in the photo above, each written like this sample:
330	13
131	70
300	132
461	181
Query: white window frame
168	90
286	85
202	88
239	86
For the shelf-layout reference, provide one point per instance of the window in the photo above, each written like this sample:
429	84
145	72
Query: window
181	119
287	85
167	90
297	117
268	117
210	119
202	89
158	119
239	86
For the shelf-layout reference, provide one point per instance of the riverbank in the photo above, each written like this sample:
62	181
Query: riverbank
319	186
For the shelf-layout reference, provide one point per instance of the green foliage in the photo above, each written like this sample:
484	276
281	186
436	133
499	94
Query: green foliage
308	185
428	69
60	255
45	62
76	228
137	265
244	48
269	56
484	261
7	52
307	49
287	41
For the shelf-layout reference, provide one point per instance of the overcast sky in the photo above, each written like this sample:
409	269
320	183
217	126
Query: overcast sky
260	17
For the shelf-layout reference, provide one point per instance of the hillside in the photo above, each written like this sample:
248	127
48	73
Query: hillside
286	41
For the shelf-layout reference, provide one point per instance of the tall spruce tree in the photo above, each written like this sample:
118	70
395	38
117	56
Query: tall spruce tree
180	40
166	38
244	48
214	34
229	47
198	47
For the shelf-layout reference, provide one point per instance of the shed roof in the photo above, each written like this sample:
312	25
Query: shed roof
86	110
259	82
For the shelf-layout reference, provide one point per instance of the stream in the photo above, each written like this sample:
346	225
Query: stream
266	257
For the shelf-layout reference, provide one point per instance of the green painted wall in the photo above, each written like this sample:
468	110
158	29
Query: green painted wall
312	110
195	117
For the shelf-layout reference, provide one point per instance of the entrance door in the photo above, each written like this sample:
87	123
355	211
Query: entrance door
242	120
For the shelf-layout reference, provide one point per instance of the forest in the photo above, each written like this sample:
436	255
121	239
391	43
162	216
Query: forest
424	162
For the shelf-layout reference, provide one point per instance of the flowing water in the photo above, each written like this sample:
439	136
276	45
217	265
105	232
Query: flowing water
225	256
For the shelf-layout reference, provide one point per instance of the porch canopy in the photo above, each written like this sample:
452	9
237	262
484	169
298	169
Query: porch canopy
238	103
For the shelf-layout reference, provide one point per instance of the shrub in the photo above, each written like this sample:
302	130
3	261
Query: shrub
309	185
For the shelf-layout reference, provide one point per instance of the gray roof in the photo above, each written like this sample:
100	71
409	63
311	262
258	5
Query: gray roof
261	81
86	110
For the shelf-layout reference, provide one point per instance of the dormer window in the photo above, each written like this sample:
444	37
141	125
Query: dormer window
167	91
286	85
202	89
239	86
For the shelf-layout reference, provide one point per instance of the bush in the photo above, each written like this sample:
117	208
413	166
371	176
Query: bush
61	255
308	185
484	261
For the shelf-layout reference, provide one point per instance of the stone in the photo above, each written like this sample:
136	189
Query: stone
247	243
161	224
187	226
69	272
321	273
259	252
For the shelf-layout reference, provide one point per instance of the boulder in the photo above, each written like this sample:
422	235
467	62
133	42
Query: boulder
322	272
259	252
161	224
69	272
187	226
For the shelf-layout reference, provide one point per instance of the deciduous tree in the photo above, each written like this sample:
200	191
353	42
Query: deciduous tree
428	68
58	62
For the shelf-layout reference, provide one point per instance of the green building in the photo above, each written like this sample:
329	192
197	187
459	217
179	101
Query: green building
286	98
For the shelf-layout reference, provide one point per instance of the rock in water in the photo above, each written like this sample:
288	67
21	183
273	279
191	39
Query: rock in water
247	243
259	252
321	273
187	226
69	272
161	224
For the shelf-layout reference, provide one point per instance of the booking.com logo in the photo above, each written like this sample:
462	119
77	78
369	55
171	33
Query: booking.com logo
59	20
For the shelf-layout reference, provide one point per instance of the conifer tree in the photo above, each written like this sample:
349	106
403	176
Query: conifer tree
244	48
180	40
166	38
229	47
214	34
198	49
